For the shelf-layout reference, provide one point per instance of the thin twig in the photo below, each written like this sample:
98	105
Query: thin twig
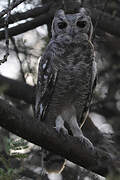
12	6
6	36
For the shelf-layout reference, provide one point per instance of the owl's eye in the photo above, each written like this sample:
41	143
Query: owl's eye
62	25
81	24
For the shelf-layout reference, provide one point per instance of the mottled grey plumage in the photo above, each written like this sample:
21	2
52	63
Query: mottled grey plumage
67	73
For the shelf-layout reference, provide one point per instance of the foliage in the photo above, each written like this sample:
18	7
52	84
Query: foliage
13	150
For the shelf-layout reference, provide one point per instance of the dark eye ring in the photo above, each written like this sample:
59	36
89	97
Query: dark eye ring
81	24
62	25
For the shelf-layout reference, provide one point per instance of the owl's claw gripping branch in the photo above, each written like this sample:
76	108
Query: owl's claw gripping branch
86	142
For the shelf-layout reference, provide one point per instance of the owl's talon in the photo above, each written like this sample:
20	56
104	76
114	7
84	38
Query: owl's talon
88	142
60	126
85	141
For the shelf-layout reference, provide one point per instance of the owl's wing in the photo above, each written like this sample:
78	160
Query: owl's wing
91	91
45	85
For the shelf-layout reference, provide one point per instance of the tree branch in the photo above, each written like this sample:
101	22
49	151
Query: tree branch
25	15
73	149
12	6
107	22
29	25
17	89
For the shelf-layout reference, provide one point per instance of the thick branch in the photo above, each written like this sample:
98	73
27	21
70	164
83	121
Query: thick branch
76	150
29	25
17	89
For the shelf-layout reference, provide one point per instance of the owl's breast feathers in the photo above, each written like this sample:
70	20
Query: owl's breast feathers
72	53
75	65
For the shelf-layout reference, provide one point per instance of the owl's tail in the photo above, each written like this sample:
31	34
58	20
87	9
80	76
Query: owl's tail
53	163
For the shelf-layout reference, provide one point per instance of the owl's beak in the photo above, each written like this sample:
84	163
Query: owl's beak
71	32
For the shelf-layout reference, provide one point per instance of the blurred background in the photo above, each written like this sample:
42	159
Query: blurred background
29	33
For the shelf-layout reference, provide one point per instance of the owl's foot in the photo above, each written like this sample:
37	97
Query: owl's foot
77	132
85	140
60	125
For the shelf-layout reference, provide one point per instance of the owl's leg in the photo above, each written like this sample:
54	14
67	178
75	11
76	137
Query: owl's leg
60	125
76	130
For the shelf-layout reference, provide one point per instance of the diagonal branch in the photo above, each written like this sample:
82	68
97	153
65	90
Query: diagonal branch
107	22
17	89
25	15
73	149
29	25
12	6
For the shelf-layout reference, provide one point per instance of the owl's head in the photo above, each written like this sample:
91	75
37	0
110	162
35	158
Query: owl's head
75	25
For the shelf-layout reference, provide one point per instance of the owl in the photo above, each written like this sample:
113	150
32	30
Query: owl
66	77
